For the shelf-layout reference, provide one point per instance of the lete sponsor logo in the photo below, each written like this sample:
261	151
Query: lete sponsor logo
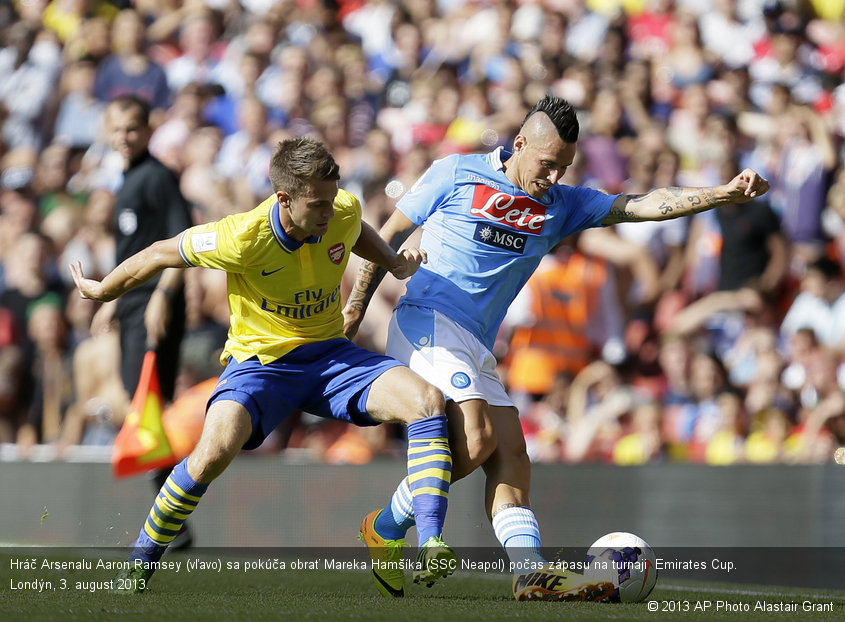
522	213
336	253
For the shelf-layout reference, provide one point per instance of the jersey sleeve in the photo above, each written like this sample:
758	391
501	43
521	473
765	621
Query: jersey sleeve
585	208
429	191
223	245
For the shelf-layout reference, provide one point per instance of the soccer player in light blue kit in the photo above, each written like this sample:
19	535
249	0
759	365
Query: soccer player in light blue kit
487	221
286	349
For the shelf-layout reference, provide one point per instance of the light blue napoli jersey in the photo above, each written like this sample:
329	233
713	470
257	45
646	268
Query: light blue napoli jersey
484	236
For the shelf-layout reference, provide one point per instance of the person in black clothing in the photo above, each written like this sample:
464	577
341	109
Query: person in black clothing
149	207
754	249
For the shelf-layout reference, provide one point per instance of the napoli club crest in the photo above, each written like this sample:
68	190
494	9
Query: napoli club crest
460	380
337	252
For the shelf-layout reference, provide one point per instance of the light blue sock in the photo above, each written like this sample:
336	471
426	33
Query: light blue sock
398	517
519	533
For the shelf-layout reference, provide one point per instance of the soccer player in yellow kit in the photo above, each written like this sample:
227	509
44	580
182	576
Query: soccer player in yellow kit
286	349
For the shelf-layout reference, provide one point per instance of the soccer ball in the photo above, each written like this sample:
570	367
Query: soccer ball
625	560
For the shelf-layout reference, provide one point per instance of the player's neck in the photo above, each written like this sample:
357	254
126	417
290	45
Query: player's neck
508	169
291	229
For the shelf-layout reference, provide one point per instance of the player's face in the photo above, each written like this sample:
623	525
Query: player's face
126	133
309	214
538	164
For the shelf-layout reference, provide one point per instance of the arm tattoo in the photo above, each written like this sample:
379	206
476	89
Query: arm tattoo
670	202
370	276
702	198
366	282
621	215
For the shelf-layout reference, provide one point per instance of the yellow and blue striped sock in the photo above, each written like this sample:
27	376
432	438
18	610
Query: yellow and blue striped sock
177	498
429	474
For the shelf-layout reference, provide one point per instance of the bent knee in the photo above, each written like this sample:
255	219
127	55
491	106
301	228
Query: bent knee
207	463
519	459
427	401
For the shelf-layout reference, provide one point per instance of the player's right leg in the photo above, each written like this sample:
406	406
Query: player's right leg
508	472
507	490
227	428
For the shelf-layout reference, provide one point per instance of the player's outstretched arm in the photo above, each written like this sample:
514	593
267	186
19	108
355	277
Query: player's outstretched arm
137	269
392	235
666	203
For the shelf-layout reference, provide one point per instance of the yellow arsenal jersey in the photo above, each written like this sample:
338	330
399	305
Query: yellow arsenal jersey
282	293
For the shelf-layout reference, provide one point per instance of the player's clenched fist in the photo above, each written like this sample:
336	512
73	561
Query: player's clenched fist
747	185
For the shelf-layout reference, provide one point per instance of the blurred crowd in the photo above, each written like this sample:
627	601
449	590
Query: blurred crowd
717	339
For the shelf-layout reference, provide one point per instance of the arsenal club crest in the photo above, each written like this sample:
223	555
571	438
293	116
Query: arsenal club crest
337	252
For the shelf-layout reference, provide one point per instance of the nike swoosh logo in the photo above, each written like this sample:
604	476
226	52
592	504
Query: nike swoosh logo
400	593
265	273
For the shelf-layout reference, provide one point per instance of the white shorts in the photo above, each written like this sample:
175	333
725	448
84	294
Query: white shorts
446	355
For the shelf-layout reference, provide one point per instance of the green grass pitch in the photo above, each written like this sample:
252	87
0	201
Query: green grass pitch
234	595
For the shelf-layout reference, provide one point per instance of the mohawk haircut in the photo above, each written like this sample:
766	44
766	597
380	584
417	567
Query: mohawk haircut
562	115
298	161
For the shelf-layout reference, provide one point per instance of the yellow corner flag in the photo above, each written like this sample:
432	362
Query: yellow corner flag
142	445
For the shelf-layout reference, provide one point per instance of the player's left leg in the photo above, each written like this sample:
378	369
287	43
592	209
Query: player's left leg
471	440
400	395
184	539
227	428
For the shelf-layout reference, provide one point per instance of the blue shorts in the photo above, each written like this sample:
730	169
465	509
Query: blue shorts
330	379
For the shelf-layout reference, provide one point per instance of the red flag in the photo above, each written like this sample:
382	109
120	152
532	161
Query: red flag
142	445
